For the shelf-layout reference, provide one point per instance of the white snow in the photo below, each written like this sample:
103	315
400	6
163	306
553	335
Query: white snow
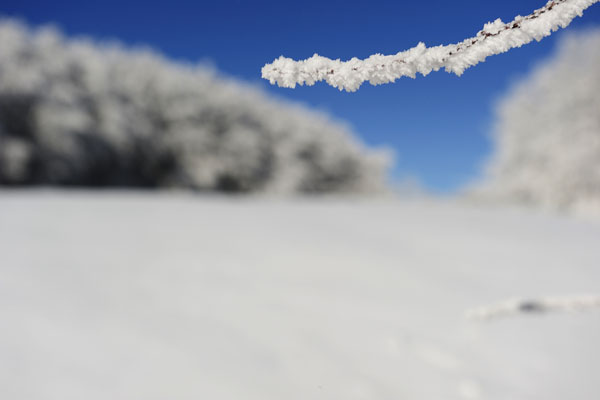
129	295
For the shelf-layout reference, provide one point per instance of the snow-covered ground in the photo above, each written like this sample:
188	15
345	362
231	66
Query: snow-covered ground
174	296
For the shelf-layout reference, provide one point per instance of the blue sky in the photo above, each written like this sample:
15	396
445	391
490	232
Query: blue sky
438	125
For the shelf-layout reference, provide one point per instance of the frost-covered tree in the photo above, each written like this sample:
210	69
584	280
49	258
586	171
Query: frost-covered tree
547	136
75	112
495	38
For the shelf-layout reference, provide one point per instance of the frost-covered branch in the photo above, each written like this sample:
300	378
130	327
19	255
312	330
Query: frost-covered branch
495	38
541	305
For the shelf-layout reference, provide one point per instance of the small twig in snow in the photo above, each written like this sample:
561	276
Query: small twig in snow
528	306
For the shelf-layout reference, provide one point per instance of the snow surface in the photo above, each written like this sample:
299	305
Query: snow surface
173	296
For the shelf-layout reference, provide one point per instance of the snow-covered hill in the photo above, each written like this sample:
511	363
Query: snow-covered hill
173	296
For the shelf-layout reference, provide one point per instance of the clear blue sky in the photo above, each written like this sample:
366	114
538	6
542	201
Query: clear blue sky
438	124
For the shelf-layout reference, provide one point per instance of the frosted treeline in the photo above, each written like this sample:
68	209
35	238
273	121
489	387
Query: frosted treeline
495	38
75	112
547	138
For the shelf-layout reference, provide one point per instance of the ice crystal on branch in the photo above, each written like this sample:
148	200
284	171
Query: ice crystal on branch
495	38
